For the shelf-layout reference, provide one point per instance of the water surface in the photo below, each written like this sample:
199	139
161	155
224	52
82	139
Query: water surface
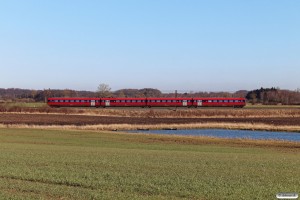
225	133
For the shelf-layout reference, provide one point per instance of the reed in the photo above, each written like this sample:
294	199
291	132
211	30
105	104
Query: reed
234	126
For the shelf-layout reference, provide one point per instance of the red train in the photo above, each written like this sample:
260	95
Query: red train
147	102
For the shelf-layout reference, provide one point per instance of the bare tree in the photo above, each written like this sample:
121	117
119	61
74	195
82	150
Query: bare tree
104	90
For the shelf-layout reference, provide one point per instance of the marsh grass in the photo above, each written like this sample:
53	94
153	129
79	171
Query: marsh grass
60	164
209	125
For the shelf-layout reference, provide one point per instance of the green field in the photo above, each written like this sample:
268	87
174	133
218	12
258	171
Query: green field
50	164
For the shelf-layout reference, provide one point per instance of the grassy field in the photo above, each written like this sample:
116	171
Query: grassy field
53	164
24	104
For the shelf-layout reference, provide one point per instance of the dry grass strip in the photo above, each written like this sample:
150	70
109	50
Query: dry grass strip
234	126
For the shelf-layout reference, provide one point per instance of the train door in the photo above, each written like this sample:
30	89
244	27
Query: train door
184	103
199	102
93	103
107	102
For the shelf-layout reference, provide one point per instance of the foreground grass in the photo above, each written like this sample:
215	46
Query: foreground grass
52	164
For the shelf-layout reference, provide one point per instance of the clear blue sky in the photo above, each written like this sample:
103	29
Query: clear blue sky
192	45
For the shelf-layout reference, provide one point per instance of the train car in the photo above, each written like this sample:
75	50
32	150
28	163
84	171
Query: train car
74	102
123	102
169	102
219	102
147	102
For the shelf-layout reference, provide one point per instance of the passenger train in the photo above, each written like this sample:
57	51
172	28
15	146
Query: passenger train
147	102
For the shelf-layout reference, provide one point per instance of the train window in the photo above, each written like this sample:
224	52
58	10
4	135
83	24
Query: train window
158	101
209	101
138	101
133	101
231	101
117	101
215	101
225	101
71	101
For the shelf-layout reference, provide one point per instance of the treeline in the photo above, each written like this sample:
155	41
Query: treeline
264	95
273	96
16	94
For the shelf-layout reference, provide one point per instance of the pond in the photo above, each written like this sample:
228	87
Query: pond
225	133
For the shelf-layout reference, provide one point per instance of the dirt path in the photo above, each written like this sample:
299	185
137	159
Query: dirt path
61	119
